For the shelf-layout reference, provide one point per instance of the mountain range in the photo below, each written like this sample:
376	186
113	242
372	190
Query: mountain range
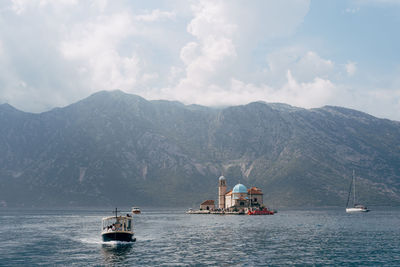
114	148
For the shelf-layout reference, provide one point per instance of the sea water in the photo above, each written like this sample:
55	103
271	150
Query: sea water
170	237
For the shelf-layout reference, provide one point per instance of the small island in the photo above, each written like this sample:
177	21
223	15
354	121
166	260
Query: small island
238	201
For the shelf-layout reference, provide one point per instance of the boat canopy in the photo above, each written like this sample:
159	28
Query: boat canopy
119	224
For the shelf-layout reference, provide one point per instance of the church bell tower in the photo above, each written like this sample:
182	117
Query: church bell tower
221	192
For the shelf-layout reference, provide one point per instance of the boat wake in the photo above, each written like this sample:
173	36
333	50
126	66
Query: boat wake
100	242
116	243
91	240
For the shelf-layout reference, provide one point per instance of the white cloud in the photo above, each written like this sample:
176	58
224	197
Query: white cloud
224	33
305	65
351	68
120	46
174	74
211	60
211	19
93	46
155	15
149	77
380	102
189	52
311	65
209	52
1	49
21	6
352	10
312	94
100	34
381	3
207	59
316	93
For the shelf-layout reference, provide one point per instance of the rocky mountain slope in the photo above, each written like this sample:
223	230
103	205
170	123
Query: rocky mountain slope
114	148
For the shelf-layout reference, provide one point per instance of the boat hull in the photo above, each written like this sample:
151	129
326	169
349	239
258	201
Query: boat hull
354	210
136	210
260	212
118	236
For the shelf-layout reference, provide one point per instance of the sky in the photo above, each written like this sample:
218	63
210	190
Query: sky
214	53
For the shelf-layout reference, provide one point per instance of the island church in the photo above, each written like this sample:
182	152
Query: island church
239	198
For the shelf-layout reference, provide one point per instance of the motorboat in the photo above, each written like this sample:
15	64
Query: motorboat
260	211
136	210
118	228
357	208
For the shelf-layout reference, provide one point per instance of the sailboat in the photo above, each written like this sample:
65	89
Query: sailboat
356	207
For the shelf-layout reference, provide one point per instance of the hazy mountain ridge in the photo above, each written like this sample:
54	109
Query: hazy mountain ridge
115	148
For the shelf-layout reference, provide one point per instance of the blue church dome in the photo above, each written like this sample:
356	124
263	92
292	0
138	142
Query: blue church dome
239	188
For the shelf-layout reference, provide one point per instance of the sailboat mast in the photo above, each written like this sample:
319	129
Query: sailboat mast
349	194
354	189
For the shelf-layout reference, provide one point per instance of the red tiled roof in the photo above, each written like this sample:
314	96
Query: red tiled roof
208	202
254	191
228	193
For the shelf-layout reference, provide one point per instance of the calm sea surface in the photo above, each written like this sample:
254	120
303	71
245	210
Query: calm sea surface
170	237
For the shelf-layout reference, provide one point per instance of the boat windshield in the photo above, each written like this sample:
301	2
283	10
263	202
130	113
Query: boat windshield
120	223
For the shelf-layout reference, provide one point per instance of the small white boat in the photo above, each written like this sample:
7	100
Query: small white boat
117	228
136	210
356	207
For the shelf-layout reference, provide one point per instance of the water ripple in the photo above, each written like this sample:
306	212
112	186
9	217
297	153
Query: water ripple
172	238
